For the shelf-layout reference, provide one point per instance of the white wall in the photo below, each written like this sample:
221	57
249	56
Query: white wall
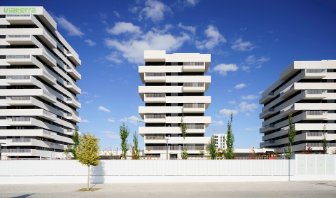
304	167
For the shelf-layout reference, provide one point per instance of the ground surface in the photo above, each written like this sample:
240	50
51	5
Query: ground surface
185	190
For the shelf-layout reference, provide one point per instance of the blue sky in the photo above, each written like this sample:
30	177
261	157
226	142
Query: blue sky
251	42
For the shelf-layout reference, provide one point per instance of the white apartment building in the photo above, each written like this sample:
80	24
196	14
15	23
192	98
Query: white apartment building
38	75
220	140
307	90
174	86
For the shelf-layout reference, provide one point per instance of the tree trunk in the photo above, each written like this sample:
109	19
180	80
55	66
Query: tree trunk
88	178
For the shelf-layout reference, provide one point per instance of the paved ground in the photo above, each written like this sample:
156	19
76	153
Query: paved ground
185	190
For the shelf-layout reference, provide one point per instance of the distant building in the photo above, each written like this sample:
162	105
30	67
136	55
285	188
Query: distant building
243	153
220	140
305	90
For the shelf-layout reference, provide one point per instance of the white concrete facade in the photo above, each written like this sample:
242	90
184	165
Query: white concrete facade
38	91
307	90
220	140
174	86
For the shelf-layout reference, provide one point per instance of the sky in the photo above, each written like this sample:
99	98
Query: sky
251	43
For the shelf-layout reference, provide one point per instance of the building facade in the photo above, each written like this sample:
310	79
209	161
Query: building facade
307	91
220	140
173	92
38	91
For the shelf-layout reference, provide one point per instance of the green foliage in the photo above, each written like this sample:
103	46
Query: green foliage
124	132
183	127
135	150
72	148
220	153
212	149
87	151
324	141
229	152
291	136
184	154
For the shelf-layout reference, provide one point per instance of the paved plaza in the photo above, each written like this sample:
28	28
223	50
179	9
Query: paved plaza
185	190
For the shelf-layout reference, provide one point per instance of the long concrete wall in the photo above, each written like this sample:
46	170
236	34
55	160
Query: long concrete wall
303	167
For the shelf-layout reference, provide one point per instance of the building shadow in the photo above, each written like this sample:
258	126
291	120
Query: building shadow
97	174
23	196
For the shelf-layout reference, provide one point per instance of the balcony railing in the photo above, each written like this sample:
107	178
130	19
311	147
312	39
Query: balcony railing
19	119
193	84
318	134
155	74
17	56
315	91
316	112
155	137
316	70
195	126
21	140
18	77
155	95
155	116
18	36
16	150
193	105
19	97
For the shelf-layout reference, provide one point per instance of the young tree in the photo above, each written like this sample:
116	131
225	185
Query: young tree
212	149
184	152
324	141
72	148
229	152
87	153
124	132
291	136
135	150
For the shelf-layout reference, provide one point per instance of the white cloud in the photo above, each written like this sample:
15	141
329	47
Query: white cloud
250	97
228	112
154	10
240	45
240	86
90	42
223	69
104	109
214	38
258	62
191	2
116	14
111	120
191	29
112	135
69	27
218	122
132	119
124	27
133	48
113	57
84	121
247	107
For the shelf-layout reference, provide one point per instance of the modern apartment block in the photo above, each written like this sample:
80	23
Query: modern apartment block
174	86
307	90
38	75
220	140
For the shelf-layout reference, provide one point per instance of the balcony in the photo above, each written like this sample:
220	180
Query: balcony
155	118
315	73
316	115
72	102
154	97
194	87
193	67
72	87
155	77
315	93
19	39
73	72
19	80
18	59
193	108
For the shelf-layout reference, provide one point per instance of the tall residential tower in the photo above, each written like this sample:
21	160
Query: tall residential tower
174	86
38	75
307	91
